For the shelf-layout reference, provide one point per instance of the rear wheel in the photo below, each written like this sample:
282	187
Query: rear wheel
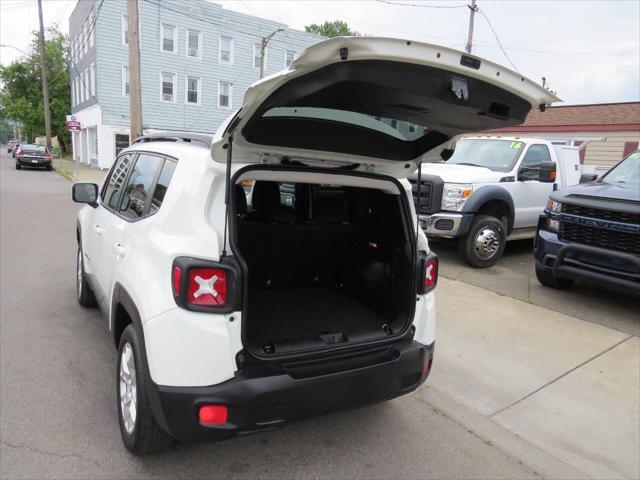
83	290
140	432
546	278
484	244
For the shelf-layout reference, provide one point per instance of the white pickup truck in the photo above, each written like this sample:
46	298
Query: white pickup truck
490	190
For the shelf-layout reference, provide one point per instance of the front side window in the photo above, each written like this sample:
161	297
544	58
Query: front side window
125	30
168	81
226	49
136	193
161	187
168	38
125	80
194	49
111	192
626	173
496	155
192	90
289	57
225	92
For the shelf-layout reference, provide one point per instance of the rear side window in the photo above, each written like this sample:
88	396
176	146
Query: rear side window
161	187
117	177
138	189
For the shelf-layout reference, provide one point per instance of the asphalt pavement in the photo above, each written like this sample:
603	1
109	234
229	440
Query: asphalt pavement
57	384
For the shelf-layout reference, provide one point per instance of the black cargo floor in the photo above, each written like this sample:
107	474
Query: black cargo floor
283	316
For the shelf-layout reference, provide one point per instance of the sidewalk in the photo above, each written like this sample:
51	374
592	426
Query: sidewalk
84	173
568	388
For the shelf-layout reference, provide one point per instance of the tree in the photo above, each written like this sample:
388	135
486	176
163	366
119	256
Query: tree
21	93
337	28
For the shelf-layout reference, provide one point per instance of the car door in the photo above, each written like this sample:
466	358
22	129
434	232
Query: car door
531	195
123	223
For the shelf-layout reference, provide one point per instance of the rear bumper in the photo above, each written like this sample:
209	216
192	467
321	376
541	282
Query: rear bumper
33	162
263	401
577	261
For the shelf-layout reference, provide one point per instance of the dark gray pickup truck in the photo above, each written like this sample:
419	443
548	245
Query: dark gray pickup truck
591	231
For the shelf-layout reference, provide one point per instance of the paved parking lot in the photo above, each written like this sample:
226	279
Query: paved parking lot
514	276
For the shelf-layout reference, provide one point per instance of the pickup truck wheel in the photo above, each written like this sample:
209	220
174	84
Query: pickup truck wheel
546	278
484	244
83	290
140	432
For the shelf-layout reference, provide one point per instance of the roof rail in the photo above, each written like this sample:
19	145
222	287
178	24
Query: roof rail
185	137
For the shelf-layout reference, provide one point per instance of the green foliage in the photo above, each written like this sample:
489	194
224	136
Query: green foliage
21	94
337	28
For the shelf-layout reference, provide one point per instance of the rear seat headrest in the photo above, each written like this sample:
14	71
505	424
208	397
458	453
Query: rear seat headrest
241	200
330	209
265	195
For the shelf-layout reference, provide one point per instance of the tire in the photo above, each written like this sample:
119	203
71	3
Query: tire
546	278
49	168
85	295
140	432
18	166
484	244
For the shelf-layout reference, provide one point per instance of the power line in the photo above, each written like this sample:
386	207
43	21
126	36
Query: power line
498	40
420	5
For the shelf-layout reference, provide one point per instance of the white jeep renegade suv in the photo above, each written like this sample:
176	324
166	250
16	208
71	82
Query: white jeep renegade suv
276	271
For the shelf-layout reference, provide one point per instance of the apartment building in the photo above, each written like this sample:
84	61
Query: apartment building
197	60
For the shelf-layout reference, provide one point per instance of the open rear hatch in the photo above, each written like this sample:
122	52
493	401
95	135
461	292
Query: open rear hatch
324	234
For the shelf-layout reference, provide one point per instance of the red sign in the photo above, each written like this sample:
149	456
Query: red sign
73	126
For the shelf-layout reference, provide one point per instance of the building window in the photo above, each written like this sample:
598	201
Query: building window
87	81
85	38
125	80
226	49
93	79
92	29
289	57
122	142
257	56
77	90
168	87
192	90
168	35
194	44
125	31
73	94
225	95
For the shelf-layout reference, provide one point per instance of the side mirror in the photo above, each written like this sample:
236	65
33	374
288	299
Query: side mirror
85	193
547	172
446	154
588	177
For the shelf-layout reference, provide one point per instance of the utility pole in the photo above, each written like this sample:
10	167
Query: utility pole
45	83
473	9
135	105
263	48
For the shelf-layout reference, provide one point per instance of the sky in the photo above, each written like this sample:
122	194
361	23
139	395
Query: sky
588	51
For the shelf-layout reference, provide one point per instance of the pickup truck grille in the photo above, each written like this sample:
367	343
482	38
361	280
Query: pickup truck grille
624	217
426	189
598	237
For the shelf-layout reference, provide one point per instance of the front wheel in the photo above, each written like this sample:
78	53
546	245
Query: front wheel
484	244
546	278
18	166
140	432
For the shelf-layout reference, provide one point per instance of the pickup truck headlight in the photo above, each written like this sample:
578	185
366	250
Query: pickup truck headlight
454	195
553	206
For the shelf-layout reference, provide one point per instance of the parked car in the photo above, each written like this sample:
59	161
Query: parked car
592	231
11	145
491	190
317	295
15	149
32	155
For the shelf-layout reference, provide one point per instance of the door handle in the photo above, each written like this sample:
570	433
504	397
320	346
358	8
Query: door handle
98	229
120	250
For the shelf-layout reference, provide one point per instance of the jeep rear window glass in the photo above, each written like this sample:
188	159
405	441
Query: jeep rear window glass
396	128
136	193
497	155
161	187
118	175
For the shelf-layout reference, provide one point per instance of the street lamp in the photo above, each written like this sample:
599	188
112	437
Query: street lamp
15	48
263	47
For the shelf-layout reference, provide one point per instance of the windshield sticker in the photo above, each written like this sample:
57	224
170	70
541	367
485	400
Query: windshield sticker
515	145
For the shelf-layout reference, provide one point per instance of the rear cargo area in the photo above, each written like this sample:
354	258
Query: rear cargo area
327	265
